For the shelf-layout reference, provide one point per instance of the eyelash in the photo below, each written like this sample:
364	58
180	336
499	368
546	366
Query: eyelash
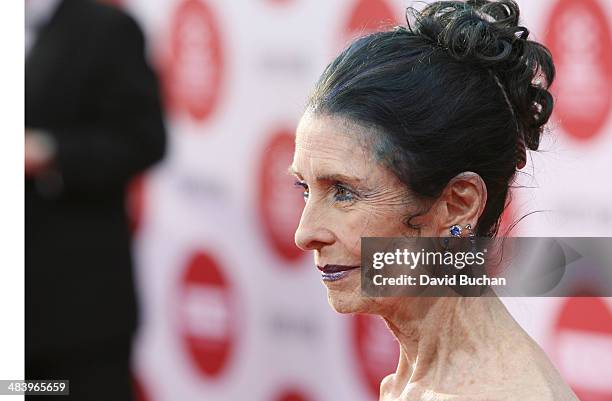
304	187
348	195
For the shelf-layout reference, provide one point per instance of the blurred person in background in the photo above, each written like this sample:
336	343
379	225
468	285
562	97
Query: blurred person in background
93	121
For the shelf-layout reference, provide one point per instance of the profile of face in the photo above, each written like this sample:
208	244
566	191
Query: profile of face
347	194
350	194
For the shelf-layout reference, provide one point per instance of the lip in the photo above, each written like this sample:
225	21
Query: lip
335	276
332	269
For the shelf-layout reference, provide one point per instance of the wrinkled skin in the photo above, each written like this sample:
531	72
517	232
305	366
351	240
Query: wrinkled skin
450	348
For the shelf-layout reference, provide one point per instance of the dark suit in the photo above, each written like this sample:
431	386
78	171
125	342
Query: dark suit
86	83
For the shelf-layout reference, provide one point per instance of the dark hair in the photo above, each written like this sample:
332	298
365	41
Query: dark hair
458	89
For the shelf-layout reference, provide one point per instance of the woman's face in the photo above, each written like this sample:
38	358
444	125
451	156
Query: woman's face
348	195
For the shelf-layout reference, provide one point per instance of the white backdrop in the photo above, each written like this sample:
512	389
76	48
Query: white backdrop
231	310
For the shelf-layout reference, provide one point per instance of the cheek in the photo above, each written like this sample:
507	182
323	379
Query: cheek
376	221
348	228
365	221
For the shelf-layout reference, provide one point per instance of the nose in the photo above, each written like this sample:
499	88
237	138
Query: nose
312	233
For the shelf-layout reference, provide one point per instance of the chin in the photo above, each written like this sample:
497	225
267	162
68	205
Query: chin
341	305
348	301
344	296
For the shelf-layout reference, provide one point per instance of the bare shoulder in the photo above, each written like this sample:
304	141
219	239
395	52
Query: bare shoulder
543	392
537	379
526	374
554	391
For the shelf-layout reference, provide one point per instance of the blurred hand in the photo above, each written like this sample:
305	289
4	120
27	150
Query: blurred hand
39	152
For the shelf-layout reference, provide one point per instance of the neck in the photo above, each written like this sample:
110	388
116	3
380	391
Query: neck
442	339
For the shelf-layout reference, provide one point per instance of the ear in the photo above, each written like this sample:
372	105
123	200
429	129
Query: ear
462	202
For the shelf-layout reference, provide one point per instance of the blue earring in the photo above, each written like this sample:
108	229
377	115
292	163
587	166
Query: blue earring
456	231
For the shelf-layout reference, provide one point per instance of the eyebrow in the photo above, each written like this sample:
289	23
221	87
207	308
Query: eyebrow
325	177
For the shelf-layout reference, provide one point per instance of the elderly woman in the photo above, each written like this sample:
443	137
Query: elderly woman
410	132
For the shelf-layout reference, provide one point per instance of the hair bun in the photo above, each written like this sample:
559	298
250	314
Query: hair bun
486	34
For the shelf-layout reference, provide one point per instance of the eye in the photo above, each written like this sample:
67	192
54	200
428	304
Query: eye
304	186
343	194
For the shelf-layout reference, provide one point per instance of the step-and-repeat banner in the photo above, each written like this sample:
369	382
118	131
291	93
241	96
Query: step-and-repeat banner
231	309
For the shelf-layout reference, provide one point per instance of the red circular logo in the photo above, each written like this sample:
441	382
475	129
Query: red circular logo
206	314
377	350
369	16
583	347
292	395
579	38
280	203
194	65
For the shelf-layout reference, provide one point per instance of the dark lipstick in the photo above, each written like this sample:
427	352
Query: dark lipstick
336	268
